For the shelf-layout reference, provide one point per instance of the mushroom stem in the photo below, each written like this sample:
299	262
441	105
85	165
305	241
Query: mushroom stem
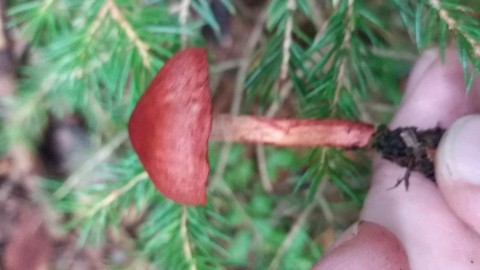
291	132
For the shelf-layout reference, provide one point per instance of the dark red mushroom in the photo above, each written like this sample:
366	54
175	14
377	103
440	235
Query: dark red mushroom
171	125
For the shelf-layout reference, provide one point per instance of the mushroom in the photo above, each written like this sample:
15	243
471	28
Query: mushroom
172	123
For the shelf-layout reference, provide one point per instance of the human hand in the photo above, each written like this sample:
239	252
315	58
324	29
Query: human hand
429	226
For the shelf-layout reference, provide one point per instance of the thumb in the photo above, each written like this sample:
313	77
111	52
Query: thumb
365	245
458	169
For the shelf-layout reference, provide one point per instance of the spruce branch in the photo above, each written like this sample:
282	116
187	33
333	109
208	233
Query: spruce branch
115	195
318	172
28	114
337	45
179	234
262	168
46	5
187	248
283	87
323	203
456	21
101	15
453	25
344	47
183	16
287	40
112	9
287	242
224	189
33	102
98	158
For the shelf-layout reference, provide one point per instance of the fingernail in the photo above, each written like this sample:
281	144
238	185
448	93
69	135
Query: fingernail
458	155
372	246
347	235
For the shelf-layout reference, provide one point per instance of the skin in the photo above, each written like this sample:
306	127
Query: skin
430	226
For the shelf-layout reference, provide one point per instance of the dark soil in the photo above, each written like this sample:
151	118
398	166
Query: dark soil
410	148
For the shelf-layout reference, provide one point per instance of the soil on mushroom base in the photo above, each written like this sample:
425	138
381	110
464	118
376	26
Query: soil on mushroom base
409	147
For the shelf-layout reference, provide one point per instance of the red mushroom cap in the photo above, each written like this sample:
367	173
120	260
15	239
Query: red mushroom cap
170	126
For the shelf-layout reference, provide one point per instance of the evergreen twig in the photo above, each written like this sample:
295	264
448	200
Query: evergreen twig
187	249
453	25
183	16
115	194
284	89
100	156
302	218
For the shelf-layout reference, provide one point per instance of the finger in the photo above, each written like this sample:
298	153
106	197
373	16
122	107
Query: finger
433	237
458	169
436	93
366	246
